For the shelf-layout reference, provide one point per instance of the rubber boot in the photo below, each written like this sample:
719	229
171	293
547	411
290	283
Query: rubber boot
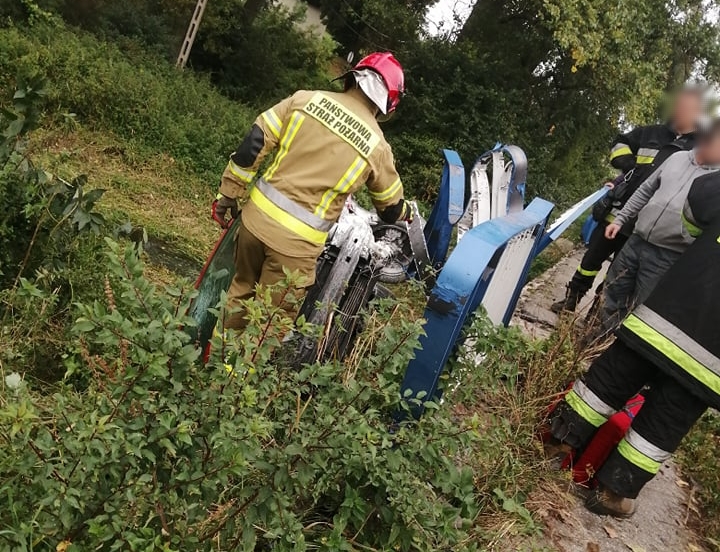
570	302
604	502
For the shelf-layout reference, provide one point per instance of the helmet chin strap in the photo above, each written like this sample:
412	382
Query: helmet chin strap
373	87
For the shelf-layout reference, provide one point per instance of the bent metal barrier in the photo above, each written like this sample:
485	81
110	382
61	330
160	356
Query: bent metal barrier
489	266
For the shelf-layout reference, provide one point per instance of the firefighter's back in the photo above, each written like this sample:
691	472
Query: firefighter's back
329	145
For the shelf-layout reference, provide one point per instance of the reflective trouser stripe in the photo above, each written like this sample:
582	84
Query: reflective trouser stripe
619	150
273	122
242	174
387	193
342	186
296	122
639	451
676	345
589	273
588	405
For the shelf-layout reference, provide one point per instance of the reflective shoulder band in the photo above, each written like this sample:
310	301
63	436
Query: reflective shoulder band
273	122
619	150
288	213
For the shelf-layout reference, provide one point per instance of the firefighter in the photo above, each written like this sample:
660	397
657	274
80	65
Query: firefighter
636	154
327	145
659	237
669	343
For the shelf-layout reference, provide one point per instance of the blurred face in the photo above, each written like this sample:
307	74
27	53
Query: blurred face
687	111
708	152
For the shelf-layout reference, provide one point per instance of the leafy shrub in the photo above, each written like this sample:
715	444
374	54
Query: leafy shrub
160	451
262	59
43	256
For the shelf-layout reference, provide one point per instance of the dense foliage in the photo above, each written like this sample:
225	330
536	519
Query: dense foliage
139	97
699	459
156	451
141	447
555	79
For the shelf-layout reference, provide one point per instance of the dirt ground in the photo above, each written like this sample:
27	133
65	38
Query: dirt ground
665	506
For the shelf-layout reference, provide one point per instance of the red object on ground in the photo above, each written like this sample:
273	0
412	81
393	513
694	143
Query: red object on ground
586	464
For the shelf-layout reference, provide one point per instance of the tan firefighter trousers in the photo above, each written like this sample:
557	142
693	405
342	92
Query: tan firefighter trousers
256	263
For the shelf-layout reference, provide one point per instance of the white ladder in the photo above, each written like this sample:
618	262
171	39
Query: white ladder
190	35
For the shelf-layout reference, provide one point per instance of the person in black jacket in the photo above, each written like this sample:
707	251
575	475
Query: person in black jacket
670	343
636	154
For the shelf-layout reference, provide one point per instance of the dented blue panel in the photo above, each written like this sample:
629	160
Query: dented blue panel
459	290
448	209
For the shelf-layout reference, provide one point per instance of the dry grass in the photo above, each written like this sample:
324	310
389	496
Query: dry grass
152	191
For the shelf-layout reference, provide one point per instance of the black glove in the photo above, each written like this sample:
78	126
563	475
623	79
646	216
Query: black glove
220	207
401	211
407	213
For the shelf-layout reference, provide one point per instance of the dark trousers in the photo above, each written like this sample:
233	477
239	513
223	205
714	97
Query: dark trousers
632	277
669	412
599	250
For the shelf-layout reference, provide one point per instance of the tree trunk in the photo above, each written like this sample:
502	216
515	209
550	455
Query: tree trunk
252	8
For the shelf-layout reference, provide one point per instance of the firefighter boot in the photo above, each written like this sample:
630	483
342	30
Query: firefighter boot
604	502
556	451
572	297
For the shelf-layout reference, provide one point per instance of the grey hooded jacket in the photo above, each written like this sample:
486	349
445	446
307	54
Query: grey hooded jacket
659	201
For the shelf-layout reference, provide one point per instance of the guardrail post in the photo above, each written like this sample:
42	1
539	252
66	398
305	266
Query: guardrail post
463	285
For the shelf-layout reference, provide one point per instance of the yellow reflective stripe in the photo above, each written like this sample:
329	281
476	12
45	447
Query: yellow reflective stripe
620	151
342	186
296	122
634	456
610	217
287	220
584	272
672	351
584	410
644	159
240	173
273	122
388	193
693	230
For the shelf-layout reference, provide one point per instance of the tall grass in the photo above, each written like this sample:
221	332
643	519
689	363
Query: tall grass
132	93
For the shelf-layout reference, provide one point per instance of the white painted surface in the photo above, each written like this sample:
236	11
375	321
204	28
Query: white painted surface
313	17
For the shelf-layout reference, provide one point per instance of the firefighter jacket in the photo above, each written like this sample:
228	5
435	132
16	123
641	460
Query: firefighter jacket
642	150
327	145
658	202
677	327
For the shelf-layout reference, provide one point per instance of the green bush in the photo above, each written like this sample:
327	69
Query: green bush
139	97
48	244
161	452
699	458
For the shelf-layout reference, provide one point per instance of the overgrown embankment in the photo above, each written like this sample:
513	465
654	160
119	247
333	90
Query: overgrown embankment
140	446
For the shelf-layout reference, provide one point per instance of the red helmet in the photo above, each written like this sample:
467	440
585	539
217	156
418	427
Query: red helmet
385	64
